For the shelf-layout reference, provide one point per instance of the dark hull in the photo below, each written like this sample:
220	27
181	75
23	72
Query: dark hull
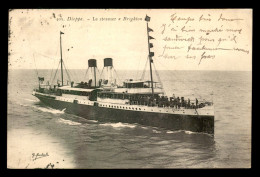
168	121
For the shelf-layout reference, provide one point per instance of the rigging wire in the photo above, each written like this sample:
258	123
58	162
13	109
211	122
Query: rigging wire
63	62
183	83
51	72
70	72
55	73
157	74
145	68
43	55
67	72
117	76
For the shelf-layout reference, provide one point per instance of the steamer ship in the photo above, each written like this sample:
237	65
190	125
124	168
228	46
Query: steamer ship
135	101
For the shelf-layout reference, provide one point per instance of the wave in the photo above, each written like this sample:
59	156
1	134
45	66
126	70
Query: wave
25	105
95	121
155	131
118	125
177	131
50	110
202	133
69	122
184	131
189	132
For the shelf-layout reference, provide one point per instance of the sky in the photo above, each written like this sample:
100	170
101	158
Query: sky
34	38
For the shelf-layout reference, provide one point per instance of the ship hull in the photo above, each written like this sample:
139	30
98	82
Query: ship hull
194	123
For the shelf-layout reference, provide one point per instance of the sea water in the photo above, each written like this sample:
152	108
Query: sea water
75	142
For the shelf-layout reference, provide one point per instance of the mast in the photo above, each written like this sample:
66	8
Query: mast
61	62
147	19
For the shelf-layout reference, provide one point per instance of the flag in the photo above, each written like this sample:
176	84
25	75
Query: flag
61	33
151	45
151	54
150	37
149	29
147	18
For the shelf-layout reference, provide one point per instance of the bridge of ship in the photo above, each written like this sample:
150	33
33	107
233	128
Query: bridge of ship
130	89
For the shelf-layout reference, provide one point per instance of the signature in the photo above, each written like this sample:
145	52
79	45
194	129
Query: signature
36	156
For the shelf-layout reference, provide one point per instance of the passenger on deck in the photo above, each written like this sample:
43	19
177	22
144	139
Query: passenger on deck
175	103
157	101
178	102
171	102
142	100
185	103
202	105
167	104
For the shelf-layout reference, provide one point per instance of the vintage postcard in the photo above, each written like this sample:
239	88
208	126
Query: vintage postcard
129	88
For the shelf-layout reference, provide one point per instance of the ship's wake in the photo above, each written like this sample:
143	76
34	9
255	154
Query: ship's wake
68	122
25	105
92	121
187	132
171	132
156	131
31	100
118	125
50	110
